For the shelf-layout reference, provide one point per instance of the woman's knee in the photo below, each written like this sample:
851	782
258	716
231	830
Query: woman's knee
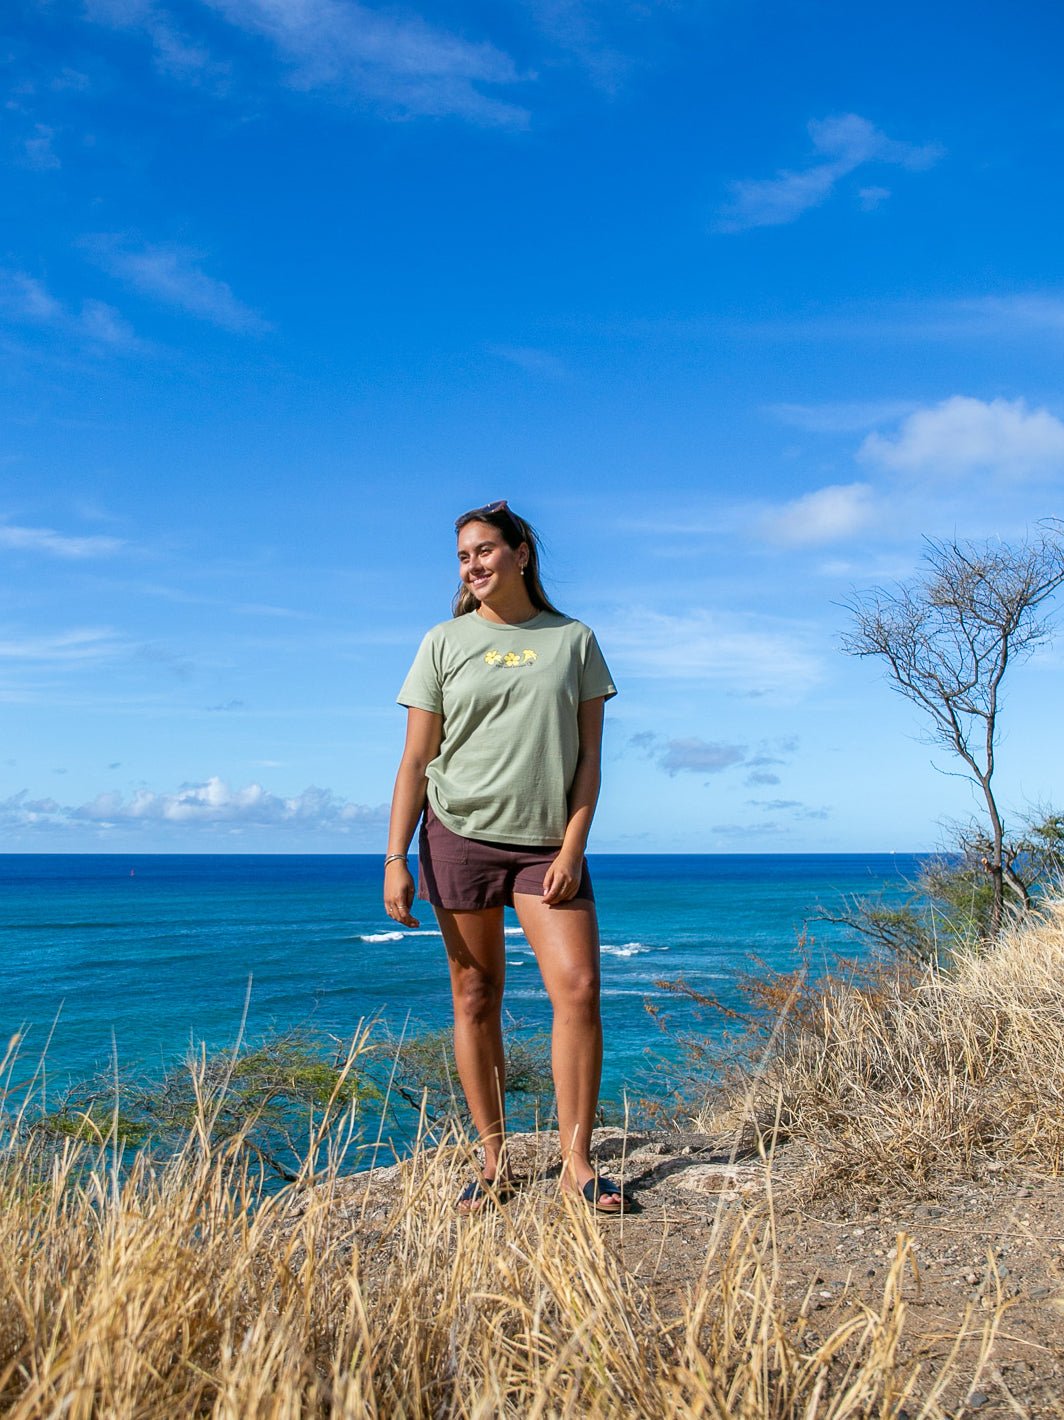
577	993
477	996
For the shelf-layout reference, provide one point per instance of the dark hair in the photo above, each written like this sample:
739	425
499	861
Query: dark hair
515	531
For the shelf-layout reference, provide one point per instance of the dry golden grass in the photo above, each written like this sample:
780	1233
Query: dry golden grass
185	1290
898	1081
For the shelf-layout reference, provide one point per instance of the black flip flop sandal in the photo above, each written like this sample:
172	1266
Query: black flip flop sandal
483	1193
598	1187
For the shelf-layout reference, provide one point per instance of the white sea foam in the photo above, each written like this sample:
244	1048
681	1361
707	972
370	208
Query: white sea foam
433	932
628	949
397	936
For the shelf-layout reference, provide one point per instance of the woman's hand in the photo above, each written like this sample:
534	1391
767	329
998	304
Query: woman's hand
562	879
399	893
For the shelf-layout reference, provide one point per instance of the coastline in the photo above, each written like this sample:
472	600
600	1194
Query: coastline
152	962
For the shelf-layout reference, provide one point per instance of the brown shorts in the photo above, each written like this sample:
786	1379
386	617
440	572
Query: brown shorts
466	875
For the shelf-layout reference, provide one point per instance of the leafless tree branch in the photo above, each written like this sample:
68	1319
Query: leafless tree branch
948	638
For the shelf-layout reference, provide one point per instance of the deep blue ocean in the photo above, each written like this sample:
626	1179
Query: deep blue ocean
155	953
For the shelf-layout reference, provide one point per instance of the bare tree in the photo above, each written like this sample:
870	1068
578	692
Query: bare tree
948	637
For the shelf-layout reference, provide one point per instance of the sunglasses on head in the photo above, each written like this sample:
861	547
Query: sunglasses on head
489	510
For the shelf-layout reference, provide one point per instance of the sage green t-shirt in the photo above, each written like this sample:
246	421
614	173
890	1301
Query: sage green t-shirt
508	696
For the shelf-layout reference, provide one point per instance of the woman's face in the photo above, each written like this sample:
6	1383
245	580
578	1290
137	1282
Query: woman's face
487	564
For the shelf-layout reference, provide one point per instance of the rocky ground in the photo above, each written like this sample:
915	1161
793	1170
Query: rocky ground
986	1251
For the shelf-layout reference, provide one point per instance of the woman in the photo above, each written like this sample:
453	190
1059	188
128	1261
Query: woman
502	766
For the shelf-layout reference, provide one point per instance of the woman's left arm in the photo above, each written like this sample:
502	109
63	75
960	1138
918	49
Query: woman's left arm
562	880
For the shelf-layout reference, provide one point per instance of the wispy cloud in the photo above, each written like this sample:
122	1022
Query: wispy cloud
91	643
56	544
174	276
399	63
36	151
826	515
843	417
761	777
697	756
579	32
531	360
692	754
26	301
741	651
210	804
964	320
962	436
767	829
175	52
1024	311
842	144
872	197
795	807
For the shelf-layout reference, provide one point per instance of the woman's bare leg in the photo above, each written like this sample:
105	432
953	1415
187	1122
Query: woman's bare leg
476	955
566	943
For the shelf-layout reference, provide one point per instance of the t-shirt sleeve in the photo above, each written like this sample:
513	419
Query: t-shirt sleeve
595	678
422	689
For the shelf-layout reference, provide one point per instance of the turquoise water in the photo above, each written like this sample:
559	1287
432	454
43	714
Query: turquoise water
156	952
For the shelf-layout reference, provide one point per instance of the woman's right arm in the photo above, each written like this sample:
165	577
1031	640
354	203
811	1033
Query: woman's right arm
424	731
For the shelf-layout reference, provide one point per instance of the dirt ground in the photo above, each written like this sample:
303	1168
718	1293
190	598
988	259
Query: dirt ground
981	1250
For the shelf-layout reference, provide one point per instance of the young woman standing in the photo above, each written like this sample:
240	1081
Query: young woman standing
502	767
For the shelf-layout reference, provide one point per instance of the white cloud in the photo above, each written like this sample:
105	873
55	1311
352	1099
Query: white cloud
37	150
57	544
578	31
20	811
747	830
873	197
794	807
842	417
699	756
825	515
210	804
745	652
175	53
531	360
967	319
845	142
401	63
27	301
1034	310
90	643
173	275
963	436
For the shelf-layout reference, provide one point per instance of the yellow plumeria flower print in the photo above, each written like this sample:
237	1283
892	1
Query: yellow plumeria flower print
510	659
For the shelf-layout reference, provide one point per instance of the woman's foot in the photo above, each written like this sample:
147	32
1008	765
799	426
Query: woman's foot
600	1192
605	1196
481	1193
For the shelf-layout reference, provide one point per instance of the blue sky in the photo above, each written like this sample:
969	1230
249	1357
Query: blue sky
736	302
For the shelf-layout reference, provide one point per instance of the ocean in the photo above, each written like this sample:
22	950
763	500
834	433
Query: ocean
148	955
